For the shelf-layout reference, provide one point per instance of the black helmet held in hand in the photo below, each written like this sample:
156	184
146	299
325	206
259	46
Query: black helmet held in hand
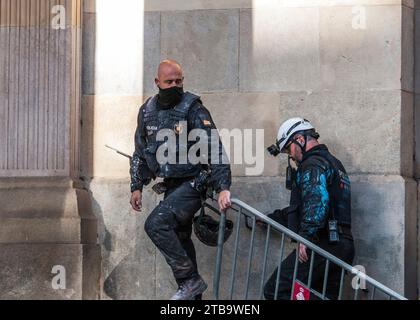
207	229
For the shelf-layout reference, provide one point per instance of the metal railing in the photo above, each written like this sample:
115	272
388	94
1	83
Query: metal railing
244	209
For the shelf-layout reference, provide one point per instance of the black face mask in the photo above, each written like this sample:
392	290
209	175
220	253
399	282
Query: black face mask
171	96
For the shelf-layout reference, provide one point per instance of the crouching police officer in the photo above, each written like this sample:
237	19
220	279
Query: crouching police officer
169	225
319	209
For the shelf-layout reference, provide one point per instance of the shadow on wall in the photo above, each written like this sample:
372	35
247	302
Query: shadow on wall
128	256
104	236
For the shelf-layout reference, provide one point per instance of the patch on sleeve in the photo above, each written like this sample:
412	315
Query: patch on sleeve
207	123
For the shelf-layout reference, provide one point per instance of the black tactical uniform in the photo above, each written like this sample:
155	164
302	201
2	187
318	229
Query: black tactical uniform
321	192
170	224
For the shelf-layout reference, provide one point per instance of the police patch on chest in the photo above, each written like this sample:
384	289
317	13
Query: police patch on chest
178	128
151	130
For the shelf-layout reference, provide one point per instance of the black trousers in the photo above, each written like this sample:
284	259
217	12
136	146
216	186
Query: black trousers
344	250
169	226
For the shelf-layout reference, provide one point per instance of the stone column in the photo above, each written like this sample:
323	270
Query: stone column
47	229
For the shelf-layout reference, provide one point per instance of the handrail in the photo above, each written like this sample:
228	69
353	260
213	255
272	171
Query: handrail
299	239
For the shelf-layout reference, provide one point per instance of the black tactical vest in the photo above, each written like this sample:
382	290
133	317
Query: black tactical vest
338	189
155	120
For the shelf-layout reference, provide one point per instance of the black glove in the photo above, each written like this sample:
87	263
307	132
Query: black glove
280	216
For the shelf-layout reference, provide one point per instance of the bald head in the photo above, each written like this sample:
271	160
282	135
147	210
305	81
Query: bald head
167	66
169	74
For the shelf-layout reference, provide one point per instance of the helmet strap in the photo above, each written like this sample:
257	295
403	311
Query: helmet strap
202	212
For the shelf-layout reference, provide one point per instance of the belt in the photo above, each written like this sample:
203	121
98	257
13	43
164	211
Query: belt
343	230
175	182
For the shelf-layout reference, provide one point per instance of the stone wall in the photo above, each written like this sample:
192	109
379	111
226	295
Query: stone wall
345	65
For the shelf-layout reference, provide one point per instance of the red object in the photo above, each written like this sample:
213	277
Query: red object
300	292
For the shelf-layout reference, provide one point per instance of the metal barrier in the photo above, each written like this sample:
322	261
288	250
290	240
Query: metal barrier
248	211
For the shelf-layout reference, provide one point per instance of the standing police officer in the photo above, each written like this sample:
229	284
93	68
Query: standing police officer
169	225
319	209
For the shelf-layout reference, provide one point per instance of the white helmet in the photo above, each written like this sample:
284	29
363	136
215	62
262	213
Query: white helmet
289	128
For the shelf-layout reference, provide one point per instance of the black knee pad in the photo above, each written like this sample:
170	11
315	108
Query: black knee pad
149	226
160	218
